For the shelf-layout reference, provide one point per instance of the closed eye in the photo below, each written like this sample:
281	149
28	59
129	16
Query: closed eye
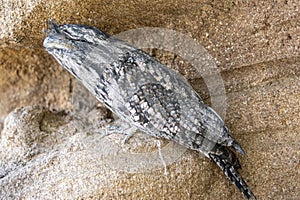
77	38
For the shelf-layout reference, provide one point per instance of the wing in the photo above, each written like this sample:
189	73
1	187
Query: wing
158	111
162	103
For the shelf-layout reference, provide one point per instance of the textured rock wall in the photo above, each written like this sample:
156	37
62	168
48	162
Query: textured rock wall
51	141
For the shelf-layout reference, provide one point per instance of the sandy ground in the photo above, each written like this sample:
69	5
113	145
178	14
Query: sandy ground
55	151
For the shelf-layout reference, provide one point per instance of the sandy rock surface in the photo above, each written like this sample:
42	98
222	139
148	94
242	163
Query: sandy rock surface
52	140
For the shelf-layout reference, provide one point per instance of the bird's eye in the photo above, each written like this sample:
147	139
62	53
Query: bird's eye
67	33
73	35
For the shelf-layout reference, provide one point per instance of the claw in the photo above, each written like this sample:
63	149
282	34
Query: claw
131	132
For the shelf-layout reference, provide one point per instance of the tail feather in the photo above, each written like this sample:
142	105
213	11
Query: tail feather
229	164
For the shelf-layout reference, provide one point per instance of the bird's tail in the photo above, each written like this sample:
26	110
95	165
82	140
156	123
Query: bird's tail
229	164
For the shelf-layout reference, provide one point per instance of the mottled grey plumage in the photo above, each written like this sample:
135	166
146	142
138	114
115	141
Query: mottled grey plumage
145	93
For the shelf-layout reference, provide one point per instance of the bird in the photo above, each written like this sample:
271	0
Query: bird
145	93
